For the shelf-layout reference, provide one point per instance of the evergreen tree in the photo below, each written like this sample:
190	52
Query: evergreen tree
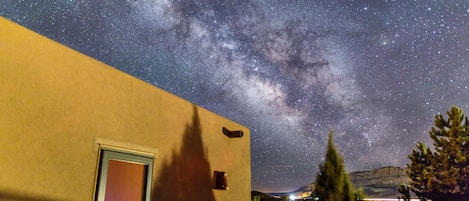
405	191
349	192
419	170
332	183
359	195
256	198
285	198
443	174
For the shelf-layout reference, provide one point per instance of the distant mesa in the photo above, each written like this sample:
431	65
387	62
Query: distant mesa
378	183
381	182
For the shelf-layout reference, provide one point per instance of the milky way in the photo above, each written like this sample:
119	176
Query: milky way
373	72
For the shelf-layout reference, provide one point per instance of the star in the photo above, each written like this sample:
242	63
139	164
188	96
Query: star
375	73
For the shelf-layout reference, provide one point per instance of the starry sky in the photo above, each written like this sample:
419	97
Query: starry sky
373	71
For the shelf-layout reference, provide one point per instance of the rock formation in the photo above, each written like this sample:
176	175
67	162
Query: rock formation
382	176
381	182
377	183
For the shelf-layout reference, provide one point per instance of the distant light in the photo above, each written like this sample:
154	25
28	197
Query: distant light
292	197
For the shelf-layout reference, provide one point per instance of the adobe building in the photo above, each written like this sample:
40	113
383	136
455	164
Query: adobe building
73	128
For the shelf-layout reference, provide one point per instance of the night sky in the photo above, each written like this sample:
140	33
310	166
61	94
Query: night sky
373	71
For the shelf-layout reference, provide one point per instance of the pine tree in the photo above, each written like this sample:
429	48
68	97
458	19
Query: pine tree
405	191
285	198
419	170
349	192
256	198
359	195
443	174
332	183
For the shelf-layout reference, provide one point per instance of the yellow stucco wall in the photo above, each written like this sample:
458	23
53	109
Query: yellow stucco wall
56	105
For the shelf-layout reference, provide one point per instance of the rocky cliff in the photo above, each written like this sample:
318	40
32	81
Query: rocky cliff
378	183
381	182
382	176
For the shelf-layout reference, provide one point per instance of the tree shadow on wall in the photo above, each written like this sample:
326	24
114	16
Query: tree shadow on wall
187	177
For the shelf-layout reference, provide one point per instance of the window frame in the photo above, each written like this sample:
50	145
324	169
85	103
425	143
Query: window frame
107	154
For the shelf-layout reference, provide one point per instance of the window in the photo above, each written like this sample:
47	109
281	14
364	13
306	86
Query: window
220	180
124	176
